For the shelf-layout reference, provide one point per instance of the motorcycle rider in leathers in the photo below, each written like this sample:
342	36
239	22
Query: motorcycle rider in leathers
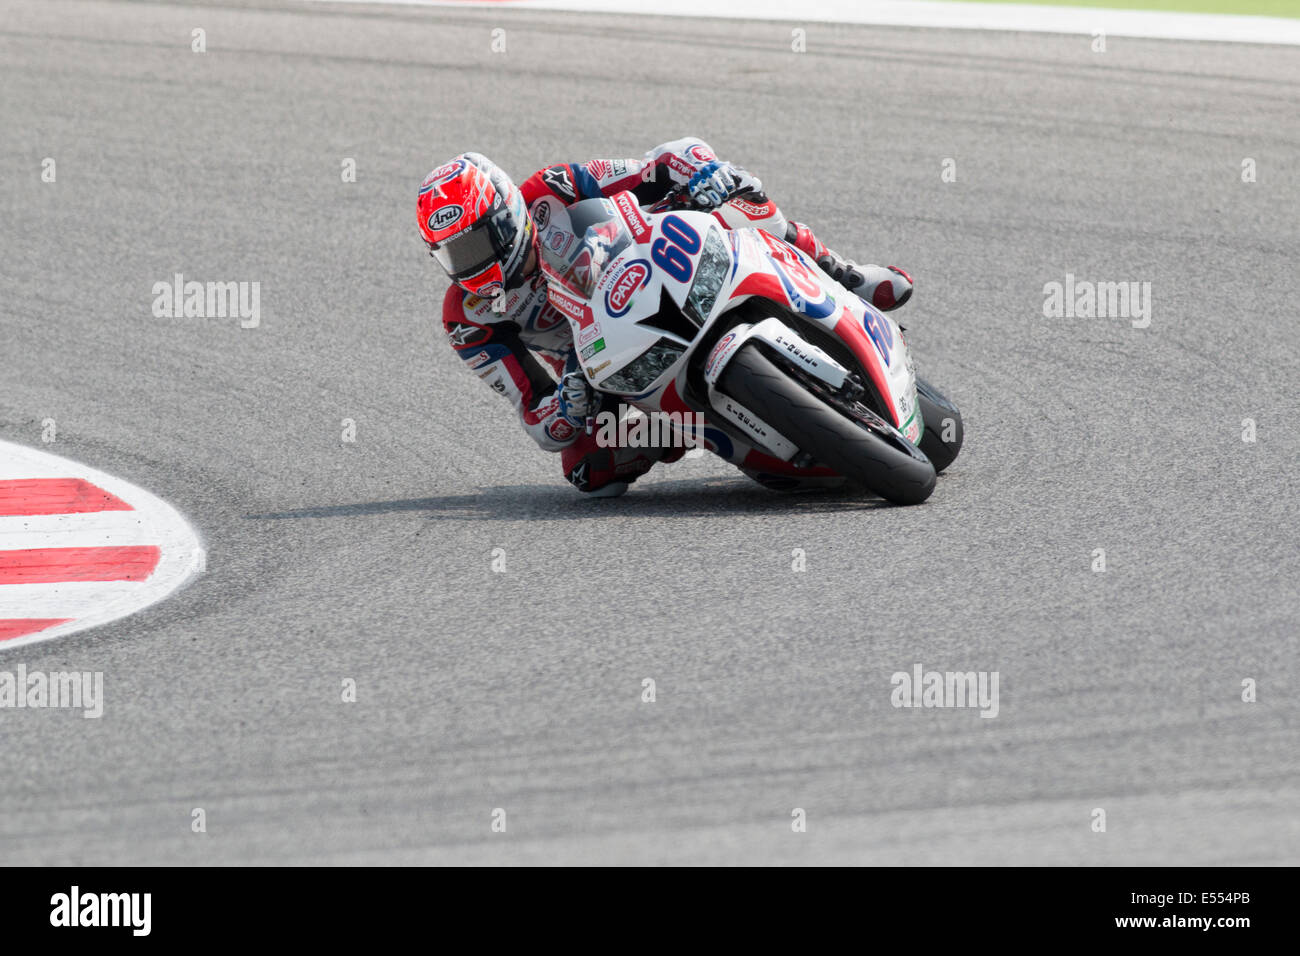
479	227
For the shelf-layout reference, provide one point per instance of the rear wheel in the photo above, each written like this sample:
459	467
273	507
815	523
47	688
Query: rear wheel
863	448
943	427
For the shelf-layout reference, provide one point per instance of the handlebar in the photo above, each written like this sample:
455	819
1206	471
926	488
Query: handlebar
679	197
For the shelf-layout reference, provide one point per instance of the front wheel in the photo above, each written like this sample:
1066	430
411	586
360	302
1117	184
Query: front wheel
865	450
944	431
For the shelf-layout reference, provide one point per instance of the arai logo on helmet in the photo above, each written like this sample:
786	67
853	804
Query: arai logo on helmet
445	217
619	297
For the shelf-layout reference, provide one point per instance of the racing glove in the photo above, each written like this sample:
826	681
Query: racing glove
577	399
716	182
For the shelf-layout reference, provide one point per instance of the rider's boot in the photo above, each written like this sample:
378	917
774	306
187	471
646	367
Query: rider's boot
885	287
607	472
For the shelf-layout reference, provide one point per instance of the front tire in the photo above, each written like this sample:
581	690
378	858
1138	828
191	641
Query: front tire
874	456
941	418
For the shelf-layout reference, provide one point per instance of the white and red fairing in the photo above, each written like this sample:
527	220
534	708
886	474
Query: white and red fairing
629	285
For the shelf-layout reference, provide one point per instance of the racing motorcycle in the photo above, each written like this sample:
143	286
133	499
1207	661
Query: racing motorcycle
673	313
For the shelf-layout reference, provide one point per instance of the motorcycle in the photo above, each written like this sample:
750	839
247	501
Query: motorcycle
673	313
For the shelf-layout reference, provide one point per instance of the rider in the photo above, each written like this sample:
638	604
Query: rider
480	228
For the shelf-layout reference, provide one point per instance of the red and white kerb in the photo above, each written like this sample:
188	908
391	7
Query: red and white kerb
79	548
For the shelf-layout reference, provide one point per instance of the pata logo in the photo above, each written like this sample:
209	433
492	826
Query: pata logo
619	297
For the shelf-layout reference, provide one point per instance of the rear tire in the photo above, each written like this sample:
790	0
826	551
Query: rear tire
882	461
940	415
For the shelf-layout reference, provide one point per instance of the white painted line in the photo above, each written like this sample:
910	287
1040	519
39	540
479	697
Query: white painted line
29	466
97	529
75	599
925	13
91	603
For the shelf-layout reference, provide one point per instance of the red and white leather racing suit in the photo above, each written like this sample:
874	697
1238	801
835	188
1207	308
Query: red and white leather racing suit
521	348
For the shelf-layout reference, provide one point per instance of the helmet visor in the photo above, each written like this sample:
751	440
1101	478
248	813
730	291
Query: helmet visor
487	241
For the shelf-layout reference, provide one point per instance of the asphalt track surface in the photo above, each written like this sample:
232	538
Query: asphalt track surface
522	690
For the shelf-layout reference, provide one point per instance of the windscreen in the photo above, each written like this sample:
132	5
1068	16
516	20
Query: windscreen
579	242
